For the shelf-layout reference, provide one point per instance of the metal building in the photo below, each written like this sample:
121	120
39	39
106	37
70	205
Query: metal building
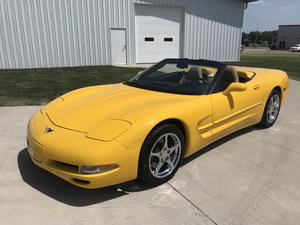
62	33
288	36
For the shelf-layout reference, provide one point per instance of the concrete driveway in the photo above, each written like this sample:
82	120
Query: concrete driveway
251	177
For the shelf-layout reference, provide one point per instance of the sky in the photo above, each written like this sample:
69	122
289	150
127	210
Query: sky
268	14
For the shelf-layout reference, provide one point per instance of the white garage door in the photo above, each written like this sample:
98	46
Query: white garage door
157	33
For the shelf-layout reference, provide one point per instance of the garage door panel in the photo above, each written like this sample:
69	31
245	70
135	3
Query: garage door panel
157	33
157	38
147	13
158	29
150	20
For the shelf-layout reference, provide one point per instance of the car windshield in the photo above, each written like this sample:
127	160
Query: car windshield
181	76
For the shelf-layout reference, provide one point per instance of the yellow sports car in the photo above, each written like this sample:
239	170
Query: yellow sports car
141	129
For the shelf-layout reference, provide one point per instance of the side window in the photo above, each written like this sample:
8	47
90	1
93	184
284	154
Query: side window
168	39
149	39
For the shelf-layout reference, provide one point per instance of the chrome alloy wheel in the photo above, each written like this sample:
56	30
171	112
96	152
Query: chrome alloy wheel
273	108
165	155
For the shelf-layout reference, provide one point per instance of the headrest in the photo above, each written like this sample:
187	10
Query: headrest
194	73
230	75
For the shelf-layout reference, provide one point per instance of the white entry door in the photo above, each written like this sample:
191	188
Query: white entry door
118	46
157	32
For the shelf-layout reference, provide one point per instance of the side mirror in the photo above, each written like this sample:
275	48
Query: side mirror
235	87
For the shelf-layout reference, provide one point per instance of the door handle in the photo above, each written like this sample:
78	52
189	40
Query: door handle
256	86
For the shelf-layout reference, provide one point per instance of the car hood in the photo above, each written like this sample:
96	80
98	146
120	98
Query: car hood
106	111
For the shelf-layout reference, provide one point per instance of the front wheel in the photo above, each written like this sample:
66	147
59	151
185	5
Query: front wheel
161	154
272	109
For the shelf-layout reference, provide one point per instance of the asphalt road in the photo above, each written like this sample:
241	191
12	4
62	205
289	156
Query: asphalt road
251	177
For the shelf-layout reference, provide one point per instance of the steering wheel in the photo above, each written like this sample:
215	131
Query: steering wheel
203	81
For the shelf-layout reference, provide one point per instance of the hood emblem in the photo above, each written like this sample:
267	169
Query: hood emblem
48	130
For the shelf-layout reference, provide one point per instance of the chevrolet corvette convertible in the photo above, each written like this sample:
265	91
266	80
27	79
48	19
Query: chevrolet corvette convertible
142	128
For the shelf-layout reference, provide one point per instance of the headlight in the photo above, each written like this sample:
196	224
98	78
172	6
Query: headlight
97	169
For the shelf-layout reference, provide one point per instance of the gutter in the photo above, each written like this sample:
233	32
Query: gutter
247	2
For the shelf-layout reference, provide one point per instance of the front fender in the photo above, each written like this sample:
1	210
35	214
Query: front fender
193	113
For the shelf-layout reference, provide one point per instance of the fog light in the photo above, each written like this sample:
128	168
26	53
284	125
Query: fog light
97	169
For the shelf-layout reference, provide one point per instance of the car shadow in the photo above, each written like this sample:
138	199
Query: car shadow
218	143
69	194
65	192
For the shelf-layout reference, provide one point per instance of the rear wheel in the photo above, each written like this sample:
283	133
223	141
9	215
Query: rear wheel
272	109
161	154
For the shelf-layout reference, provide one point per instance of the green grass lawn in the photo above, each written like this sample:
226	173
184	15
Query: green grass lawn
288	63
39	86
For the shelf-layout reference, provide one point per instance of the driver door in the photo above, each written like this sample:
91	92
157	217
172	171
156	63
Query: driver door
236	110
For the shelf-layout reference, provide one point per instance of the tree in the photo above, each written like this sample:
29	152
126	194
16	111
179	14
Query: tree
256	38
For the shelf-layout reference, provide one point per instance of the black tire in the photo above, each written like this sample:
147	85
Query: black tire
145	175
265	122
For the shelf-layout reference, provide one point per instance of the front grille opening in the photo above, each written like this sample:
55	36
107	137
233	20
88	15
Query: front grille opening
64	166
79	181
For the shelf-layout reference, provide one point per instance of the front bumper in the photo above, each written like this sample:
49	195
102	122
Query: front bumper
63	151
